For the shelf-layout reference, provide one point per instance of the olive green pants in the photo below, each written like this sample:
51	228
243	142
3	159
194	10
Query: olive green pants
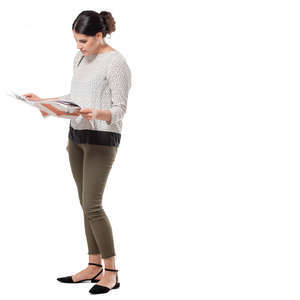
90	165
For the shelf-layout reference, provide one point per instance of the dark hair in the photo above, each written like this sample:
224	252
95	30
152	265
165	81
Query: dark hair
90	22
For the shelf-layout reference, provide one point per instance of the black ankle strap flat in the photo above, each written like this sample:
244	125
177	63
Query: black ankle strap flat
101	289
69	279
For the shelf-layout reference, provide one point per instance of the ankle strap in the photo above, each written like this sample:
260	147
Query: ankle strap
95	264
111	270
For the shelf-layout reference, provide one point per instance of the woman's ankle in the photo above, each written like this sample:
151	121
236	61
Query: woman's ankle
95	259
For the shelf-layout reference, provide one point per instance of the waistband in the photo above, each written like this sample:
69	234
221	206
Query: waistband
95	137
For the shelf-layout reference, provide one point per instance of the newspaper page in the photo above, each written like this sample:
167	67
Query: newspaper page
58	108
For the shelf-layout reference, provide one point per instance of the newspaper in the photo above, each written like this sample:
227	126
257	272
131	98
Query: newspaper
58	108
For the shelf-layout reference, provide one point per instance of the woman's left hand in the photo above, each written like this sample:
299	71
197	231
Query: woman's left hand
88	113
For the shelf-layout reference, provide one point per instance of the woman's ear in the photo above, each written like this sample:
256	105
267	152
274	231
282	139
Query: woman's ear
99	36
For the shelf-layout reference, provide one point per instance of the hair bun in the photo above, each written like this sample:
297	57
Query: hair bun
109	21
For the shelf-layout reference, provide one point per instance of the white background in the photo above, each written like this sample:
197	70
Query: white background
203	196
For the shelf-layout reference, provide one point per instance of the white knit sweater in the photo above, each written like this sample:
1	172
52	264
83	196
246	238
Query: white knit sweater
100	81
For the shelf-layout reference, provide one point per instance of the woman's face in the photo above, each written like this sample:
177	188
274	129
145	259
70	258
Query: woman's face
87	44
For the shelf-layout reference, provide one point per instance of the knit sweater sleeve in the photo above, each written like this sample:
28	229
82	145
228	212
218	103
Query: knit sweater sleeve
119	81
75	62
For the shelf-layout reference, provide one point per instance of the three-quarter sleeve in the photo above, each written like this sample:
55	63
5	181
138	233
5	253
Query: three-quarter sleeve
119	81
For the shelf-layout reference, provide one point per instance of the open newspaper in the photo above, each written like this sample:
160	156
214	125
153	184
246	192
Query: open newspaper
58	108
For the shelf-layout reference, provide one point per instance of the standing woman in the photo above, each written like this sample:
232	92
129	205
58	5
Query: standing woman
100	85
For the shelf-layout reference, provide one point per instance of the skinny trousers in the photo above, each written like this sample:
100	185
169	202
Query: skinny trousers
90	166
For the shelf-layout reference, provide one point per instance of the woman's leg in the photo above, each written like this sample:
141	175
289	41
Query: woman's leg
76	163
97	163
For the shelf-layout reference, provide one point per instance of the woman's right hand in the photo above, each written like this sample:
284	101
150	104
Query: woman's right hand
32	97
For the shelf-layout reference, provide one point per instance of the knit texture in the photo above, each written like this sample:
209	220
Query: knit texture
100	81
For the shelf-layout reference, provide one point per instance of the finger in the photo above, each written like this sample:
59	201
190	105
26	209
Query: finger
94	114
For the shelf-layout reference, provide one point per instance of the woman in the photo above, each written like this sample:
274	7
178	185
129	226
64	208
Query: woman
100	85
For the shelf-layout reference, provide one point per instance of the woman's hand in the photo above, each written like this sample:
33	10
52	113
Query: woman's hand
32	97
98	114
88	113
